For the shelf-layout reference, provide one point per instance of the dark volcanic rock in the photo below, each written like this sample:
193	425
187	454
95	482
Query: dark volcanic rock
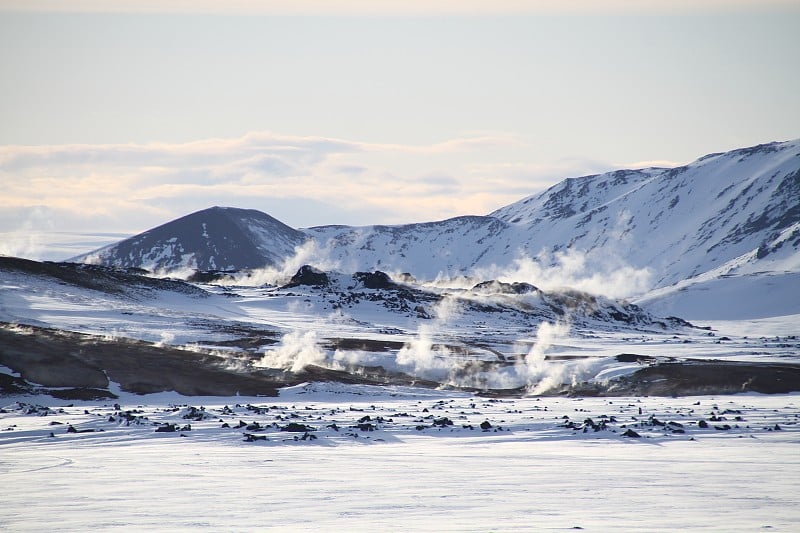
294	427
499	287
86	363
635	358
443	422
211	276
310	276
71	429
375	280
673	377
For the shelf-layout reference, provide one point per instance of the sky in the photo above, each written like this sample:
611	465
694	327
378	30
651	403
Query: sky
119	115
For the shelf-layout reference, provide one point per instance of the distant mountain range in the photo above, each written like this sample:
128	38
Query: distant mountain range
724	215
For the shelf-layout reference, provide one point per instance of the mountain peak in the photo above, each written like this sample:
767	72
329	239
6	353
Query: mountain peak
216	238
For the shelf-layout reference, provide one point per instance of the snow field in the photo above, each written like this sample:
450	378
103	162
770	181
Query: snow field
531	470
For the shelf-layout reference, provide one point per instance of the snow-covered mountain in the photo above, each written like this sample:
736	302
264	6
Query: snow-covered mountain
426	250
739	211
218	238
732	211
728	214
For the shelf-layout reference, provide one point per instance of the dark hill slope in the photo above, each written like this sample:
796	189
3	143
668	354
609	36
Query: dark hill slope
218	238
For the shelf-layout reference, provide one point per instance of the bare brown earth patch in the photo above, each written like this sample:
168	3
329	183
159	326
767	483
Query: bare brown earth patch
73	365
55	358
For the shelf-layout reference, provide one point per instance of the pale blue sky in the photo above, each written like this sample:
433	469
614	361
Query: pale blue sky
369	118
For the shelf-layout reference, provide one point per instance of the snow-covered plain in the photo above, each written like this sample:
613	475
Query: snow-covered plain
395	463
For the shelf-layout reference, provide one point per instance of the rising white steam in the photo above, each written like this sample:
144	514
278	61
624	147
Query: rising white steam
424	358
419	356
596	272
167	338
296	351
308	253
546	335
538	374
183	272
27	238
22	243
534	372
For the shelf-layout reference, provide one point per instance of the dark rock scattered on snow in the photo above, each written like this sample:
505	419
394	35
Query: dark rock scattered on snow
443	422
71	429
294	427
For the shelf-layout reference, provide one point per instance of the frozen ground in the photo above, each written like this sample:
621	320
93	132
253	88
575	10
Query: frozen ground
389	459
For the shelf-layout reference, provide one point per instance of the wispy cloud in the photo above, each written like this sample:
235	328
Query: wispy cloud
302	180
114	177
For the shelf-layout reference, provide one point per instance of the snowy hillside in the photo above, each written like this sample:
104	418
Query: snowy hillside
741	208
447	247
218	238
